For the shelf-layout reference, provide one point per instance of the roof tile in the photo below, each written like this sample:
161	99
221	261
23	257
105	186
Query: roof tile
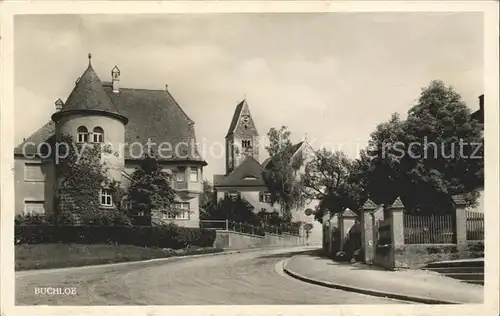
249	168
153	115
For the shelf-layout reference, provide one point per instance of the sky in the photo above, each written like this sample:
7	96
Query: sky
331	76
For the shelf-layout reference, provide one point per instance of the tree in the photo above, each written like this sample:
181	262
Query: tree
83	172
281	174
333	179
436	153
207	202
234	210
274	222
380	163
207	195
151	189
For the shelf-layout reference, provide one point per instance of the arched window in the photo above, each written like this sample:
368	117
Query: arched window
82	134
246	143
98	135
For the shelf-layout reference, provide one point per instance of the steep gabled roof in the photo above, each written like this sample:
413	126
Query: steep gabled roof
88	95
297	146
295	149
157	117
154	115
249	169
236	115
43	134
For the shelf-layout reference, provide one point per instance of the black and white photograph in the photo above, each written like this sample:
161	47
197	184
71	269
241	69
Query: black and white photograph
172	158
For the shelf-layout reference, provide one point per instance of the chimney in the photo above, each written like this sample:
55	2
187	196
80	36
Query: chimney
481	102
115	75
59	105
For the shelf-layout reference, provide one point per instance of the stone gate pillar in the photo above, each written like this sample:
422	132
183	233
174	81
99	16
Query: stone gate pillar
347	220
367	231
397	224
460	223
396	211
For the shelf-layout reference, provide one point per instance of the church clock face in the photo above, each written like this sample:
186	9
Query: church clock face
245	119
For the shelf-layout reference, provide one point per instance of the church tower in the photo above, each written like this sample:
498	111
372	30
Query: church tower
242	138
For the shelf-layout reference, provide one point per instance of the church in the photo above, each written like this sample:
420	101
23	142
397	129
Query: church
106	112
244	169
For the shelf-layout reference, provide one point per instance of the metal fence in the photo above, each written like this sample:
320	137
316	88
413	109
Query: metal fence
475	225
433	229
243	227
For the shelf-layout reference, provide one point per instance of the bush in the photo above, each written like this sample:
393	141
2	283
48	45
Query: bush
169	236
34	219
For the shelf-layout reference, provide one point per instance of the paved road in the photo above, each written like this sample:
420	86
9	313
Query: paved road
245	278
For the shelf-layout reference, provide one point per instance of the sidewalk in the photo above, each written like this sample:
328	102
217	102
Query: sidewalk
413	285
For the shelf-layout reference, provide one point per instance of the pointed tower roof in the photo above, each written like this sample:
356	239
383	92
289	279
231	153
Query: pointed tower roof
236	115
89	96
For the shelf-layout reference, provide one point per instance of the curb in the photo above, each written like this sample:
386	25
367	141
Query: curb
401	297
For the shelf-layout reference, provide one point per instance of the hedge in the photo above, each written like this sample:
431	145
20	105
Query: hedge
170	236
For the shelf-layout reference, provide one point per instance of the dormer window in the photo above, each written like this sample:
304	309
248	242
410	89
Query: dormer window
82	134
98	135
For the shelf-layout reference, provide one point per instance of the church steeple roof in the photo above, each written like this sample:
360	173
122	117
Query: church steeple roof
236	116
89	95
242	111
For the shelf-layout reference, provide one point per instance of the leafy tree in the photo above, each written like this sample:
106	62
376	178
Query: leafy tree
208	204
235	210
151	189
333	179
274	222
207	194
82	171
281	175
436	153
383	173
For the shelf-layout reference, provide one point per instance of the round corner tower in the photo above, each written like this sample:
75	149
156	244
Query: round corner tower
90	117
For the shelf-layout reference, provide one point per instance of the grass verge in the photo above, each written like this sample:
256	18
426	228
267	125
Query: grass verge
49	256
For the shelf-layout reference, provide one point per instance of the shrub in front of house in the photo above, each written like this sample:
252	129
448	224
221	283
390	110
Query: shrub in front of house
169	236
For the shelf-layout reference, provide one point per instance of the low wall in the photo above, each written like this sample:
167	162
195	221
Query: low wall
418	255
384	256
236	240
282	240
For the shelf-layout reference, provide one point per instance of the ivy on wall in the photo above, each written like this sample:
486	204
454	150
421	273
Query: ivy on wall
82	172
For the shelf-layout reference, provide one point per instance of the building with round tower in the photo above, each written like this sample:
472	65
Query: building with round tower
130	122
90	117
